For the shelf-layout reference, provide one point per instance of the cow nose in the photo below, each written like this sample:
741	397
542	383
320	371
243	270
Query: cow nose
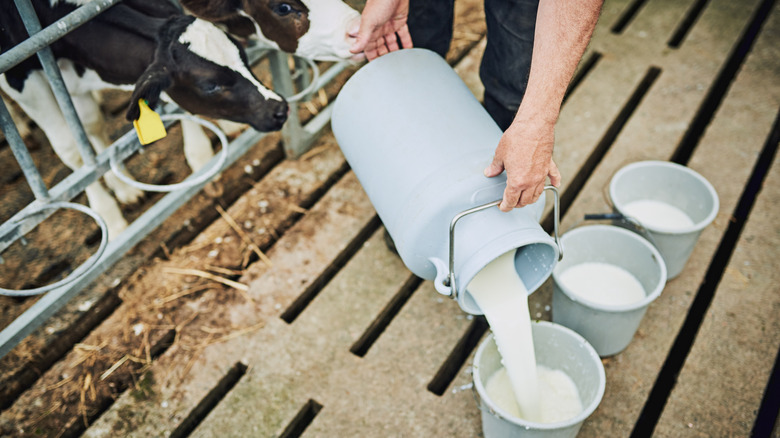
282	112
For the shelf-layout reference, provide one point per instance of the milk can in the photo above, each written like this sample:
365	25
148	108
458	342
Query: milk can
418	141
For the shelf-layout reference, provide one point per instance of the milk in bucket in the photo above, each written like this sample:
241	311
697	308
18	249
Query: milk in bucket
536	394
603	286
603	283
671	201
658	215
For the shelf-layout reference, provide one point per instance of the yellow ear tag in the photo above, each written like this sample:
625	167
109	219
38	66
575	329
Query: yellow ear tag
148	126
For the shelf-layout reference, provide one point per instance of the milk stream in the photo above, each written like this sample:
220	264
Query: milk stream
658	215
602	283
502	296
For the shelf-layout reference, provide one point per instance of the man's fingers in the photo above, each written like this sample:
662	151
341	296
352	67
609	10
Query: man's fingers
371	53
526	197
532	197
555	174
391	41
405	37
511	198
382	48
363	39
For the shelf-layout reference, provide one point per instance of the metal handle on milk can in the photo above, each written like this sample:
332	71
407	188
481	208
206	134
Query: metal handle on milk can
450	280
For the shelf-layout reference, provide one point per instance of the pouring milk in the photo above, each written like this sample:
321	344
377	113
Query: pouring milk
546	396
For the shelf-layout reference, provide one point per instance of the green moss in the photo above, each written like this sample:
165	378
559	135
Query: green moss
144	387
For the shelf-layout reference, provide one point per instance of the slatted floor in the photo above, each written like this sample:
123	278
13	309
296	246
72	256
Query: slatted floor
332	335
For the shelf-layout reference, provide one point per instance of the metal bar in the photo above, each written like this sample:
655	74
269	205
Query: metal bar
127	145
297	139
52	301
22	155
292	134
72	185
52	33
46	56
331	73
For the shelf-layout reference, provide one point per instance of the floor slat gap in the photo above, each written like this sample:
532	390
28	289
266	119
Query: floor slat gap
302	420
625	19
766	419
212	399
586	67
667	377
299	304
305	204
601	149
383	319
721	84
458	356
687	24
77	426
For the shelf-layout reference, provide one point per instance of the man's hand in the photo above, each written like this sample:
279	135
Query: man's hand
382	25
563	30
525	152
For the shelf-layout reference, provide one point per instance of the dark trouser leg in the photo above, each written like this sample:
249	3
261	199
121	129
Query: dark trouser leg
430	24
507	59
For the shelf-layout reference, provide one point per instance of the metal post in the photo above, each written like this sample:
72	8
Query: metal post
46	56
292	135
52	33
22	155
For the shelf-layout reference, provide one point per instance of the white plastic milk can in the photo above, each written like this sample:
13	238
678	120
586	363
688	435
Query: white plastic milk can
418	141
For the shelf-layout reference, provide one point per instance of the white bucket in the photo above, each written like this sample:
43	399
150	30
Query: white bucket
558	348
673	184
608	328
418	141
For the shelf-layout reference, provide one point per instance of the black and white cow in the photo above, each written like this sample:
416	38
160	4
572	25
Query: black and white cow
147	46
316	29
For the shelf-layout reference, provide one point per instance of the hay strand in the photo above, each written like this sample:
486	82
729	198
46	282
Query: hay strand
242	234
209	276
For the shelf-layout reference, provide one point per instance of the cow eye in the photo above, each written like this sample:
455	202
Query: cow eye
211	88
283	9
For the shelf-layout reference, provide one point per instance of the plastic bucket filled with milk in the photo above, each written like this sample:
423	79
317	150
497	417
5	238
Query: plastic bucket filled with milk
571	384
671	201
603	286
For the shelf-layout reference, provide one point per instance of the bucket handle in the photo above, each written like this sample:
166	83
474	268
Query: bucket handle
450	280
621	220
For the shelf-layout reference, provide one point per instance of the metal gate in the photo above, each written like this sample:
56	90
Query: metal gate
297	139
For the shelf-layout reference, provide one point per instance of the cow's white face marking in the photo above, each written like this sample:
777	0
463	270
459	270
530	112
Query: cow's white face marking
259	35
329	23
210	43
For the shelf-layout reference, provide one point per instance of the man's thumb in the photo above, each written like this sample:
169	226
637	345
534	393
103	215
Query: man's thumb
494	169
363	33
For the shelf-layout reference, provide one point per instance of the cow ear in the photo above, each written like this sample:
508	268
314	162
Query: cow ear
152	83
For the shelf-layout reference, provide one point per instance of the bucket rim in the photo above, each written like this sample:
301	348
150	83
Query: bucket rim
698	226
649	298
579	418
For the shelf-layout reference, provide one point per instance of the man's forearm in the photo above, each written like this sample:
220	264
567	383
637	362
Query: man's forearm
563	30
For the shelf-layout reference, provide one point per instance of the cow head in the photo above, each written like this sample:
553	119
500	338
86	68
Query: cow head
207	73
315	29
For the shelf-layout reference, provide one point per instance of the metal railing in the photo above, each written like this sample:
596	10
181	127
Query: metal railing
297	139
